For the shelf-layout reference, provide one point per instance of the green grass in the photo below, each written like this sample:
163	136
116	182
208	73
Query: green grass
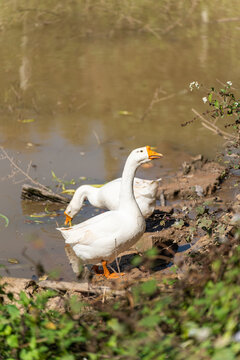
195	319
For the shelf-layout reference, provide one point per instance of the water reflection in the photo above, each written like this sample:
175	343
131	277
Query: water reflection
77	91
25	69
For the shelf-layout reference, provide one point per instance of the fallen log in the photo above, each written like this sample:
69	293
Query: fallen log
16	285
83	287
34	193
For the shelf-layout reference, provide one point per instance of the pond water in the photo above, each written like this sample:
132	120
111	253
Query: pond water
77	106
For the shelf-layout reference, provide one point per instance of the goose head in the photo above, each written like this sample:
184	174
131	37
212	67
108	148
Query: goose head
143	155
71	210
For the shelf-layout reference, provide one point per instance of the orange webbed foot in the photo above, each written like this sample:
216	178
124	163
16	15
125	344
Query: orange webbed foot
107	274
115	275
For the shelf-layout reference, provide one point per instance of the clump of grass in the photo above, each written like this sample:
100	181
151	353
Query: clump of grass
195	318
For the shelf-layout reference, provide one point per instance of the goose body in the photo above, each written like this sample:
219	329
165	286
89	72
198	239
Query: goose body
107	196
103	237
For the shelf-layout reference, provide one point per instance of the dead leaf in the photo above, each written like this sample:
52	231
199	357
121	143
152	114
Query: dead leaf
68	191
24	121
13	261
44	277
125	113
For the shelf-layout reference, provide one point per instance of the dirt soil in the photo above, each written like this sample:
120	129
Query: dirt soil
195	213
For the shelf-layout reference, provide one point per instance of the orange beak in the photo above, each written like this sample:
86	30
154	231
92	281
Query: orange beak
68	220
152	154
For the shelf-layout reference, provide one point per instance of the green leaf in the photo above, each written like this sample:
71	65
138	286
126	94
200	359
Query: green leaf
136	260
152	253
210	97
13	261
115	325
69	191
75	304
53	175
6	219
55	178
24	299
68	357
124	112
179	224
29	355
200	210
25	121
226	354
150	321
12	341
149	287
216	104
13	311
205	222
8	330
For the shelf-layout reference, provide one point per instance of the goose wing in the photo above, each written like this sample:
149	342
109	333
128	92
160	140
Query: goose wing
91	230
146	188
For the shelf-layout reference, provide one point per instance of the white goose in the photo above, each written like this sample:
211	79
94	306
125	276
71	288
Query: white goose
107	197
103	237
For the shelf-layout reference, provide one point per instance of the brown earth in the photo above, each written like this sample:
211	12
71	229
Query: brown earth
178	230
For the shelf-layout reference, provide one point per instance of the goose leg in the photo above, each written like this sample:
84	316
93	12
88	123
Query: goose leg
107	274
96	270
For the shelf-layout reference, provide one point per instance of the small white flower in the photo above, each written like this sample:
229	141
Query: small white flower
191	85
194	84
229	83
204	99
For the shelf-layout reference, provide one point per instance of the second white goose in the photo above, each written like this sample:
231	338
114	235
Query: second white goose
103	237
107	197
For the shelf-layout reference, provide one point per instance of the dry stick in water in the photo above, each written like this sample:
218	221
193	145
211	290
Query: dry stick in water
155	100
31	192
21	171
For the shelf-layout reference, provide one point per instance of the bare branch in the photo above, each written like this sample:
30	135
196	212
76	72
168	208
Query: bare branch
25	174
213	127
155	100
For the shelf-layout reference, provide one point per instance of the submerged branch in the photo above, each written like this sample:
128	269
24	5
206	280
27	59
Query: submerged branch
25	174
155	100
30	192
38	192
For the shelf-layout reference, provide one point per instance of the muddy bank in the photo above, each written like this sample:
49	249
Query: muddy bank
195	214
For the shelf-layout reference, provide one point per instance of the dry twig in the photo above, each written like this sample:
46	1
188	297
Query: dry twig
37	192
19	170
214	128
155	100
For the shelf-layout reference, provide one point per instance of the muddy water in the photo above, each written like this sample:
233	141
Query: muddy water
77	106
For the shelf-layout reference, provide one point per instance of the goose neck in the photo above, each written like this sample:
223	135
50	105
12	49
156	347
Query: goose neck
83	192
126	191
